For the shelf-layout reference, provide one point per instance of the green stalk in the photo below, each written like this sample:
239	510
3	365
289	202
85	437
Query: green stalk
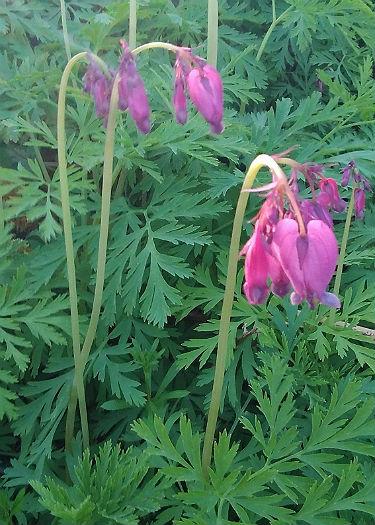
344	243
69	248
226	312
132	24
212	32
274	23
65	29
2	220
79	391
81	357
65	203
104	224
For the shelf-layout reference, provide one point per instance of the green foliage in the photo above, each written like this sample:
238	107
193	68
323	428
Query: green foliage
295	443
110	488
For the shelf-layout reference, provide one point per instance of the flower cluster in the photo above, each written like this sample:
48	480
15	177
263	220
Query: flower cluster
362	185
193	77
293	244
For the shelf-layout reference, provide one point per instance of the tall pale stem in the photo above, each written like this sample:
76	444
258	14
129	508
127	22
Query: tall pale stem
132	24
212	32
344	243
226	312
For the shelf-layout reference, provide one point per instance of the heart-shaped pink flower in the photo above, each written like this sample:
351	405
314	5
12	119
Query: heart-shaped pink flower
308	261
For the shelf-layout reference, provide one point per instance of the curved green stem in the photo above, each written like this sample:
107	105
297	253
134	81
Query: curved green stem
65	203
266	37
212	32
79	393
67	226
344	243
104	223
132	24
69	248
81	357
156	45
226	312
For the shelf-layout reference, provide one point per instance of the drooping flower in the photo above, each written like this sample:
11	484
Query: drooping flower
256	269
293	245
312	210
132	92
192	76
206	92
308	261
347	173
99	85
359	203
179	93
329	195
361	185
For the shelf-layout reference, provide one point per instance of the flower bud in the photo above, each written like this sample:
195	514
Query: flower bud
179	97
206	92
329	195
99	86
132	93
256	268
359	203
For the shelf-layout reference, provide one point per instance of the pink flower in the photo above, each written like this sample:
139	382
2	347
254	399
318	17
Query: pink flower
329	195
308	261
206	92
347	173
280	281
132	93
359	203
179	96
312	210
256	268
99	86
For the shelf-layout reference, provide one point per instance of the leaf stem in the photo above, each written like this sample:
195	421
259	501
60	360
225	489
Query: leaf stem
344	242
132	24
226	312
212	32
65	29
266	37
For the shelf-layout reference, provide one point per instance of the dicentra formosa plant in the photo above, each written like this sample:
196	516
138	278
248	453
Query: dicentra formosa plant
293	246
112	91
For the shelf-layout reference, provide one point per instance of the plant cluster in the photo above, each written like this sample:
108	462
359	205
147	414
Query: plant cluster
122	292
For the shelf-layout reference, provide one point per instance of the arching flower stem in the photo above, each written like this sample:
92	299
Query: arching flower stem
81	356
226	312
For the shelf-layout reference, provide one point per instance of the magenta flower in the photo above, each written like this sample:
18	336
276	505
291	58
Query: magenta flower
179	95
361	185
308	261
312	210
256	268
280	281
99	86
293	245
359	203
329	195
192	75
206	92
132	93
347	173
